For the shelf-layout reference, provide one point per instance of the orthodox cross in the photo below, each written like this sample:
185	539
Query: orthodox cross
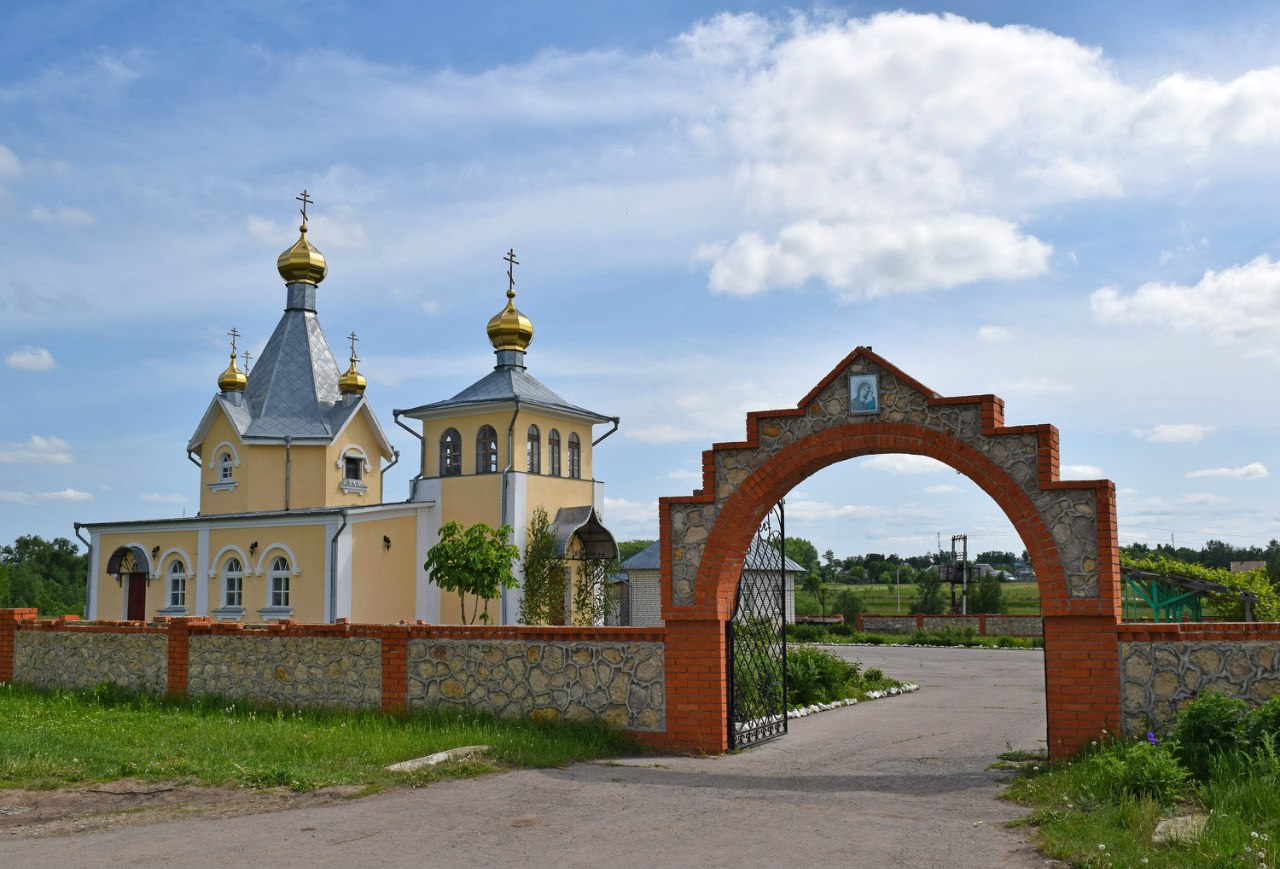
512	262
305	200
353	340
247	357
234	335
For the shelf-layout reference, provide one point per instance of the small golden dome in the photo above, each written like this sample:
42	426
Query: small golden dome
233	379
353	382
302	263
509	329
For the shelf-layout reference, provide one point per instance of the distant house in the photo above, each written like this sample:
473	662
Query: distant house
644	570
1246	566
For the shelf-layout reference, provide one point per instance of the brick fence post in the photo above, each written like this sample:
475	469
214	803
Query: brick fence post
697	685
9	621
1081	680
395	667
180	653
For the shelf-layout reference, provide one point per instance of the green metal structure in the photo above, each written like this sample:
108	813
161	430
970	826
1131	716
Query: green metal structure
1173	597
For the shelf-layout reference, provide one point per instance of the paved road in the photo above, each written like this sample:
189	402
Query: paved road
895	783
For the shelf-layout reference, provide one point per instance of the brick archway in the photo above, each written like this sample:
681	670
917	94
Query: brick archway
1068	528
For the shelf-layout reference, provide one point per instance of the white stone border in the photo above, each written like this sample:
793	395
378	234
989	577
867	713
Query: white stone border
803	711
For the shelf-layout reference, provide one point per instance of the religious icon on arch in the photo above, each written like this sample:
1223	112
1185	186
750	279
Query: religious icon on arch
864	393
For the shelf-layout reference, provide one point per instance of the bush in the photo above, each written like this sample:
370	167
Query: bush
817	676
846	630
1136	769
1209	725
1263	721
875	674
806	633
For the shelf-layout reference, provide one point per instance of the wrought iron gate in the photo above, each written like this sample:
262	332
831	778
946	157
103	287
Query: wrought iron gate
757	641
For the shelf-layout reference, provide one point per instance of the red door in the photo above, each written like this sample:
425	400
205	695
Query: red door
137	608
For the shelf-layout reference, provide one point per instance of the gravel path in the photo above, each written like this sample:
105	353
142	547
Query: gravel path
901	782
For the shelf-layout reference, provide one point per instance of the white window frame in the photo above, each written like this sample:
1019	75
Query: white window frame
175	592
224	478
349	484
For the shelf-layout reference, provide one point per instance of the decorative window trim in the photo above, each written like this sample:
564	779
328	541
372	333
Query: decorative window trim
354	487
274	613
224	486
156	573
285	576
221	558
226	577
228	613
272	547
235	455
356	451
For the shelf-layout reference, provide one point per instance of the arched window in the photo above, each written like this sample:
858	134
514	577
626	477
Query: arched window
534	449
450	453
575	456
553	453
279	581
177	584
226	466
486	450
233	583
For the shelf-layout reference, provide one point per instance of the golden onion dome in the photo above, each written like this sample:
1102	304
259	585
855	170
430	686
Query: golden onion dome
352	382
302	263
509	329
233	379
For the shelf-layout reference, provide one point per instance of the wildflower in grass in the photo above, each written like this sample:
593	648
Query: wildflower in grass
1151	738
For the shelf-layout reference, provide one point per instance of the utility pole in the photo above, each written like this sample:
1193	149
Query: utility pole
897	579
963	539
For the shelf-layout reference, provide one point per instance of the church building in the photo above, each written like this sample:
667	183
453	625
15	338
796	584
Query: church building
293	521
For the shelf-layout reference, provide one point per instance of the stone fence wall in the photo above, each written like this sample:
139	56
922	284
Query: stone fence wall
1163	666
982	624
617	675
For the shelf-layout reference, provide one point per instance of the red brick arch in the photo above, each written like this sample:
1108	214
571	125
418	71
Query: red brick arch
742	481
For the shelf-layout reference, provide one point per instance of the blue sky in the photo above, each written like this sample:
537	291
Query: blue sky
1072	207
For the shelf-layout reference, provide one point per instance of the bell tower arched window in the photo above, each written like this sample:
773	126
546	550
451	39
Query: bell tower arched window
226	467
450	453
486	450
534	450
553	453
575	456
279	582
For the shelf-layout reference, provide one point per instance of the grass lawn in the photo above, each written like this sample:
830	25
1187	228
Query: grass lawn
57	738
1020	598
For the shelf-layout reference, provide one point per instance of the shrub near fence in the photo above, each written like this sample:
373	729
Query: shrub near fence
983	625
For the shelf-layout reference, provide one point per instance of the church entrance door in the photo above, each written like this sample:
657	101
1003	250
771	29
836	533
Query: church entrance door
136	610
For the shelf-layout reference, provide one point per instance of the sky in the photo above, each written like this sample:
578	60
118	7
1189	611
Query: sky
712	203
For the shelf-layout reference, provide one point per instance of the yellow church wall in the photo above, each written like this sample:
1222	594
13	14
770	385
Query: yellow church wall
307	545
111	597
552	493
384	581
358	433
221	438
469	500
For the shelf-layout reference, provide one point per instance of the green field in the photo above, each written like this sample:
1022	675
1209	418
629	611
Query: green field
1020	598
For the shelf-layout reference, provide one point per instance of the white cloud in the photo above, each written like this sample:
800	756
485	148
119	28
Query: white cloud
430	308
68	496
995	335
873	259
1233	305
157	498
67	216
1080	472
30	359
37	450
808	510
943	489
1204	499
623	510
1170	433
9	164
685	476
1251	471
900	152
896	463
1028	386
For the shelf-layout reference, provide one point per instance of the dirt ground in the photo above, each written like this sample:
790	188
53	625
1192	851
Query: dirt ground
27	814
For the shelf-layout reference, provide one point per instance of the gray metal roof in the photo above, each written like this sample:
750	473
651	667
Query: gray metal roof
293	386
507	381
597	541
757	558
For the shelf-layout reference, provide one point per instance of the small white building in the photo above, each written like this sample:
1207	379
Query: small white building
644	580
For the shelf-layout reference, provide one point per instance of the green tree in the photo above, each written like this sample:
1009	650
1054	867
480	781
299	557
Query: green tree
47	574
543	599
802	552
475	562
628	548
849	604
929	598
989	595
592	603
